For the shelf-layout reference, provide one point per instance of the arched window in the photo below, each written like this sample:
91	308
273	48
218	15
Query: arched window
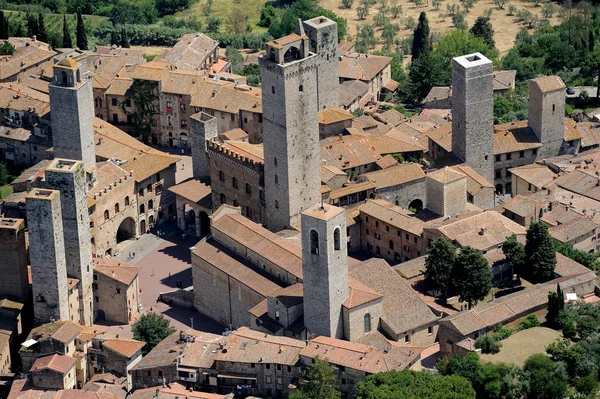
91	224
336	239
142	208
106	215
127	201
223	199
150	205
149	187
367	322
93	241
314	242
117	207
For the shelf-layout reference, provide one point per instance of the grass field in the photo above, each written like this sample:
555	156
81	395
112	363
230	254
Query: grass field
5	191
519	346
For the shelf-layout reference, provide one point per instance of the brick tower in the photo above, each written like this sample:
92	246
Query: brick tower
473	113
72	105
547	113
47	256
13	260
69	178
324	269
290	129
323	35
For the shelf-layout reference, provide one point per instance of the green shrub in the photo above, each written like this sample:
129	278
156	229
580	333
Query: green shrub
529	322
502	333
587	385
488	344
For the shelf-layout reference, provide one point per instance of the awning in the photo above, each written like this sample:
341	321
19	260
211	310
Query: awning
29	343
237	377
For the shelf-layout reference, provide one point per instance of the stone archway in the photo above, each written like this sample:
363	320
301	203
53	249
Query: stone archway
416	204
127	230
100	314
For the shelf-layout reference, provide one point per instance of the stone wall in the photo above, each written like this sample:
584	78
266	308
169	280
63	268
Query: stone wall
182	298
354	319
203	128
13	259
403	194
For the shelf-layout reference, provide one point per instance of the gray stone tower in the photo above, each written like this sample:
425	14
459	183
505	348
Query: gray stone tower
324	269
290	129
47	256
69	178
323	35
446	192
13	259
72	105
547	113
203	127
473	113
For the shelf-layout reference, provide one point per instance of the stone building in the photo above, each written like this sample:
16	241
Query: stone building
14	318
403	185
194	52
372	70
446	192
115	355
54	372
546	113
55	337
13	260
116	291
194	205
290	128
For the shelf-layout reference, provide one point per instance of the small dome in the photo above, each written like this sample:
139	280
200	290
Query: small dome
68	62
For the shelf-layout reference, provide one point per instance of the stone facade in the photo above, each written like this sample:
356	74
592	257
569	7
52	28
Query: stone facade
473	112
547	114
156	204
52	379
446	197
404	194
325	269
203	128
47	256
13	260
291	131
118	301
354	319
69	178
504	162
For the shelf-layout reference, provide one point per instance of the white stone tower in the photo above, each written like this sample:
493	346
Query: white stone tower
473	113
47	256
322	33
69	178
203	127
324	269
547	113
290	129
72	106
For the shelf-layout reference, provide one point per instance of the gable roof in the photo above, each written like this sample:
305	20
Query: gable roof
333	115
538	175
125	347
395	175
548	83
62	331
116	270
348	151
56	362
362	66
191	50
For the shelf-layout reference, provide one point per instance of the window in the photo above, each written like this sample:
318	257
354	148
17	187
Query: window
529	187
377	223
97	299
235	202
279	367
141	192
276	179
149	188
268	379
508	173
248	189
508	156
498	174
314	242
160	373
93	240
128	102
300	88
221	175
343	381
391	244
150	205
248	212
521	154
223	199
127	201
275	161
407	338
233	117
276	204
367	232
415	239
106	215
268	366
336	239
430	330
115	118
114	101
118	290
553	108
91	224
277	315
498	158
234	182
252	365
272	89
534	151
117	207
142	208
95	276
367	320
387	228
149	373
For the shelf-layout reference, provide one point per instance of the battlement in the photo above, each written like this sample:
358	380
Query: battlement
42	194
229	153
13	224
114	184
64	165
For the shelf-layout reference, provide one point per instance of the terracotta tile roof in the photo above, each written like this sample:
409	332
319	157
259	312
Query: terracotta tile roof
442	136
170	393
333	115
24	57
568	267
291	295
352	90
164	354
285	40
105	69
395	175
195	191
582	182
125	347
146	165
255	152
397	144
191	50
589	134
411	268
234	134
391	117
359	294
514	136
362	66
224	97
120	87
348	151
504	80
393	215
522	206
201	353
37	171
351	188
329	172
365	121
538	175
6	303
361	357
573	229
72	282
119	271
63	331
571	131
56	362
391	85
549	83
475	182
387	162
153	70
182	82
248	346
18	97
438	93
403	309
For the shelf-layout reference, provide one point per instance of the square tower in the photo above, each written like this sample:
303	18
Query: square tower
47	256
203	127
69	178
72	106
446	192
322	33
547	113
324	269
473	113
290	129
13	259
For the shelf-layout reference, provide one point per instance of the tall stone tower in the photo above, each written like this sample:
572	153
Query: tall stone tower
323	36
47	256
290	129
72	105
13	259
69	178
324	269
203	127
547	113
473	113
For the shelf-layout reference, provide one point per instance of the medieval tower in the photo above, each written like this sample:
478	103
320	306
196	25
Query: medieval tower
324	269
203	127
69	178
13	260
473	113
322	33
72	113
290	129
547	113
47	256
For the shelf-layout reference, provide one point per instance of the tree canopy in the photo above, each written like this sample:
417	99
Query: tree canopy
514	252
421	37
67	41
303	9
540	253
80	33
151	328
320	383
439	263
483	28
471	276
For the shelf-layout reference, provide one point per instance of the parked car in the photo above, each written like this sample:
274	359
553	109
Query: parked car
570	90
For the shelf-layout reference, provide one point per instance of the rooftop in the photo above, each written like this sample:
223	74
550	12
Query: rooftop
395	175
548	83
117	270
347	152
55	362
363	67
195	191
62	331
125	347
538	175
333	115
190	51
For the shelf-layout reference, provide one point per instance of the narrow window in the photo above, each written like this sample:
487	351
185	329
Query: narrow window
314	242
336	239
300	88
272	89
106	215
367	322
117	207
127	201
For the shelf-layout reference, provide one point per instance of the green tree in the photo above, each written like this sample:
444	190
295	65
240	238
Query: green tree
4	175
458	20
556	303
7	49
365	38
439	263
488	344
587	385
347	4
213	24
168	7
541	256
586	326
421	37
32	25
483	28
151	328
513	250
321	383
548	9
430	69
500	3
67	41
546	381
512	9
362	11
42	33
467	366
80	33
4	26
268	15
471	276
145	100
467	4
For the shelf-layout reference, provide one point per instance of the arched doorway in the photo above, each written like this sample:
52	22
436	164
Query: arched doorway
100	314
126	230
190	219
416	204
143	227
204	223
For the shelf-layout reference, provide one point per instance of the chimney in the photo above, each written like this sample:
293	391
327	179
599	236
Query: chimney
482	231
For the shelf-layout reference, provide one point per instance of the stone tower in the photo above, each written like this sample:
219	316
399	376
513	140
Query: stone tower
13	260
547	113
203	127
446	192
322	33
69	178
324	269
47	256
290	129
473	113
72	105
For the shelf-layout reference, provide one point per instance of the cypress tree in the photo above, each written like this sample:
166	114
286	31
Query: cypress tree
421	38
483	28
67	40
3	26
82	41
42	34
32	25
591	41
541	256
